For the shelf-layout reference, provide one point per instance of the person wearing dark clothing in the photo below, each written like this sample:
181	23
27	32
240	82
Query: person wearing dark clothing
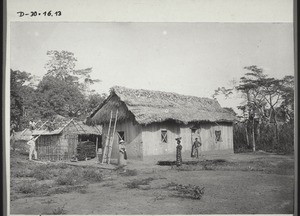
178	152
195	148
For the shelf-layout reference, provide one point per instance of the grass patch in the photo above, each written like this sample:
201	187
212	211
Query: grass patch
108	184
92	175
129	173
20	173
33	188
27	187
79	175
70	177
186	191
136	183
42	174
67	189
29	179
59	210
60	166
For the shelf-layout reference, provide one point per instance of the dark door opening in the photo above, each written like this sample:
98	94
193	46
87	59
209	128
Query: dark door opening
97	139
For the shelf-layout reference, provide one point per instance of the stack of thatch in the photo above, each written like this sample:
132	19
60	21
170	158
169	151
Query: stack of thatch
86	150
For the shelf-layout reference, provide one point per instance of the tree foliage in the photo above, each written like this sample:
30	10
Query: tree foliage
60	97
268	102
18	95
94	100
62	65
63	90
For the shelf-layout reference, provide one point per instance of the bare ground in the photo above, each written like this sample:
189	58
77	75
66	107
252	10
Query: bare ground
257	183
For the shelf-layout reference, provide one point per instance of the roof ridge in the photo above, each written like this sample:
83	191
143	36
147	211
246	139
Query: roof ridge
116	87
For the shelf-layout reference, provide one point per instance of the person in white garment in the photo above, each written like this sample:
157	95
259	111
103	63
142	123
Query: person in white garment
32	149
122	162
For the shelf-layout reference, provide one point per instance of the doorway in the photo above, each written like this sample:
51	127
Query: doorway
195	134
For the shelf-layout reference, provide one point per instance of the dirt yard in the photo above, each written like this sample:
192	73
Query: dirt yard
259	183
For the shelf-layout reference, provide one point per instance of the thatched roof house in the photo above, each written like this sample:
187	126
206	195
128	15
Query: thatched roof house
152	114
58	139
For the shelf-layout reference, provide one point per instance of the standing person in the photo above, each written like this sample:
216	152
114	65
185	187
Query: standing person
99	155
195	148
122	160
178	152
32	125
32	149
13	140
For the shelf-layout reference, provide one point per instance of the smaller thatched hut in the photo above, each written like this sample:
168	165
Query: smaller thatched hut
22	137
58	140
149	122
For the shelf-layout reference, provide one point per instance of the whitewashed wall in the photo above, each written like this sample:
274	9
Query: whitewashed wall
133	139
152	144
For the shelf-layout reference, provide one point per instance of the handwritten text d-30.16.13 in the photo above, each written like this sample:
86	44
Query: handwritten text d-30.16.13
37	13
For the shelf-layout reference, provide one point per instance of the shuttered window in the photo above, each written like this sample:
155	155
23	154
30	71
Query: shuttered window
121	135
164	136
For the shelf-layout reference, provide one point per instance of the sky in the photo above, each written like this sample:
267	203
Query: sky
186	58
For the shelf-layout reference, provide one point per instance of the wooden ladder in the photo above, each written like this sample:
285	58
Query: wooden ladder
109	139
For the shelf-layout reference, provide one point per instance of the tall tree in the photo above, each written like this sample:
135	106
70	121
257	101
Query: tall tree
19	91
265	100
287	94
94	100
60	97
251	86
62	65
64	90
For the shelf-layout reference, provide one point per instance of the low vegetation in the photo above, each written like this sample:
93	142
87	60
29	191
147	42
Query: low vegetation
128	172
60	210
259	164
27	187
189	191
29	179
136	183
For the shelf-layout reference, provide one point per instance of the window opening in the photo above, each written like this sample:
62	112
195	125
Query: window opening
218	136
164	136
121	135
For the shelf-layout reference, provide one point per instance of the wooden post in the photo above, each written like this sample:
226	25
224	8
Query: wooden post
97	148
253	136
57	151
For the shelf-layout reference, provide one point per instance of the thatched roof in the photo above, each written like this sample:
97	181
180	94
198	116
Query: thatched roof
156	106
23	135
75	127
86	129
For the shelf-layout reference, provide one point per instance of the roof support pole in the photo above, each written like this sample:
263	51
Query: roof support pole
112	139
